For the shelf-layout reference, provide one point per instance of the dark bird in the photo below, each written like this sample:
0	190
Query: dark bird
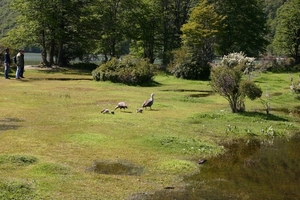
139	110
105	111
149	102
202	161
121	105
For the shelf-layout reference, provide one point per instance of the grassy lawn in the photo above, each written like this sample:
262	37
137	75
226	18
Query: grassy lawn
55	143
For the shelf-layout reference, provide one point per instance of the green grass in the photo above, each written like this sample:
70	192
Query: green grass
52	132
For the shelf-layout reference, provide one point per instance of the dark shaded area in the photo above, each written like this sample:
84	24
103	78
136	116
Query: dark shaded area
84	66
287	111
9	124
5	127
61	79
66	71
250	169
276	94
295	111
200	93
11	120
184	90
115	167
151	84
264	116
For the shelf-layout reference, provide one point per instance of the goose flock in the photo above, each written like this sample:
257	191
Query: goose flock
123	105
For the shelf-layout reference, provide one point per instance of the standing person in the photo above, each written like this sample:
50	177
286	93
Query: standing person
6	63
20	64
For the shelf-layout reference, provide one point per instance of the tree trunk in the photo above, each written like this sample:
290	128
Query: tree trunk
51	56
60	54
44	57
44	51
297	56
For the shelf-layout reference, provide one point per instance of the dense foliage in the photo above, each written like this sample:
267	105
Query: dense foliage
199	33
270	10
79	29
126	70
244	27
7	17
66	30
287	37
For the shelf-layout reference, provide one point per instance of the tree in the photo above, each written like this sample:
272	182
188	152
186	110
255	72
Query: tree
287	36
173	15
270	9
55	26
244	27
198	40
111	26
7	17
227	80
144	35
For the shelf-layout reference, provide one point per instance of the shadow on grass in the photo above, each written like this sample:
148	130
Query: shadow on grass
123	111
68	71
11	120
60	79
188	90
9	124
200	93
264	116
152	109
151	84
6	127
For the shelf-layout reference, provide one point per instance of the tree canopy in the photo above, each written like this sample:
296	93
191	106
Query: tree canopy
70	29
244	27
287	37
198	39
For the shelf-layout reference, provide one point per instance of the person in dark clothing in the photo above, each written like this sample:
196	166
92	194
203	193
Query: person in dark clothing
20	64
6	63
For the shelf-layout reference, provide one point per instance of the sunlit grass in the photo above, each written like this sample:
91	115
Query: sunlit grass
52	131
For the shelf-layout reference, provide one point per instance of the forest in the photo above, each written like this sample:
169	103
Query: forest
177	32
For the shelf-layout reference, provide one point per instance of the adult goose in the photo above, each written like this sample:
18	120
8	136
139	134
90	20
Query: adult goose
149	102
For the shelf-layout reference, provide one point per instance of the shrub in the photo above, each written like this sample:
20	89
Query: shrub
226	79
127	70
278	64
239	60
250	89
188	66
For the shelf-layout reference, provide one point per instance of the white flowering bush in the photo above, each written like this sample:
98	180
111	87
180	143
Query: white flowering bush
227	80
237	59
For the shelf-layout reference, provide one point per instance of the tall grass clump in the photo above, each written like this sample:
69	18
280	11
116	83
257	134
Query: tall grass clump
127	70
16	189
18	160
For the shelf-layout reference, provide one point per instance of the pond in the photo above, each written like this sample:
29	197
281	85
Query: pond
36	58
250	169
32	58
